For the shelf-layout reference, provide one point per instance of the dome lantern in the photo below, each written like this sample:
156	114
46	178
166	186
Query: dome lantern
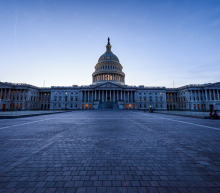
108	46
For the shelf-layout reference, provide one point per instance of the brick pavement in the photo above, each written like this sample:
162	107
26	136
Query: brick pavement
109	152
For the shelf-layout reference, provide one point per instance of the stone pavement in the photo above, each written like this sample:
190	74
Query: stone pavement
18	114
109	152
195	114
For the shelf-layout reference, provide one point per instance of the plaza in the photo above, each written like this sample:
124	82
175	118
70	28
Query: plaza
109	152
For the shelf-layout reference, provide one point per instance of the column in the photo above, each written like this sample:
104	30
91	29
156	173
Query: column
133	96
3	93
6	93
0	93
106	94
206	96
196	93
213	94
9	93
218	94
116	95
121	94
85	97
209	94
216	97
128	96
1	97
113	97
82	96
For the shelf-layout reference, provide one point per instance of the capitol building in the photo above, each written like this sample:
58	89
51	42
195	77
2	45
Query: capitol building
109	91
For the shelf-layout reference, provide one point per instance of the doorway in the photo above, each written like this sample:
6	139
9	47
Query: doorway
3	107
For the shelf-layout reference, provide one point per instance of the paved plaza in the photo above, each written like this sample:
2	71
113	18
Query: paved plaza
109	152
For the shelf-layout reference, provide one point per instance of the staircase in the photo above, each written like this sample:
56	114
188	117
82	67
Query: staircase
108	106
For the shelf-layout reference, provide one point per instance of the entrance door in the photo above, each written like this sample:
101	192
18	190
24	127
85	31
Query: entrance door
3	107
211	108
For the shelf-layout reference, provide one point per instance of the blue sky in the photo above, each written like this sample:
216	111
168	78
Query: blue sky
157	42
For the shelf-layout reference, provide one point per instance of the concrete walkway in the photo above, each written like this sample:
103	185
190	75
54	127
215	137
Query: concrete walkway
19	114
186	113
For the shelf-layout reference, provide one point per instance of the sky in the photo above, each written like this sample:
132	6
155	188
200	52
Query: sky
159	42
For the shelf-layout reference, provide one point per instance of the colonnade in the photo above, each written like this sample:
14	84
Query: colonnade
108	77
108	96
205	95
5	93
12	94
17	99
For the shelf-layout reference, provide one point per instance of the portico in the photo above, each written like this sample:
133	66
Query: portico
108	94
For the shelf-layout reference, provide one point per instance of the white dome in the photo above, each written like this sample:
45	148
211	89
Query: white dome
108	66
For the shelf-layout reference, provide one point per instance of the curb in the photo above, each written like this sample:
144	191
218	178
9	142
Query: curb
30	115
192	116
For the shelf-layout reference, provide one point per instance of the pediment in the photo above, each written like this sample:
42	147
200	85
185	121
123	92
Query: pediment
109	85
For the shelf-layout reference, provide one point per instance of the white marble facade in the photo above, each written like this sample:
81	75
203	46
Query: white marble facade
109	91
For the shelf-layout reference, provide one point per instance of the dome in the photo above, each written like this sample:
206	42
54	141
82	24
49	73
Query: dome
108	67
108	56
